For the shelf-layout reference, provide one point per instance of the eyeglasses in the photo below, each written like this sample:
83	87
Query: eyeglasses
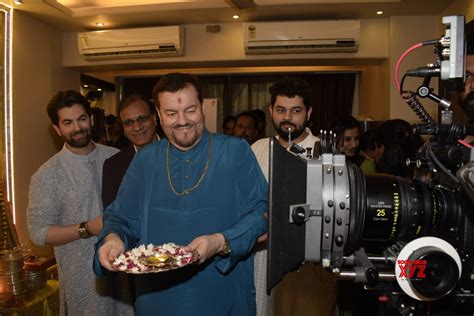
140	120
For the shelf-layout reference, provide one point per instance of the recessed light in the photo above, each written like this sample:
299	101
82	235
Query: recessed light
235	16
99	89
379	12
100	24
85	86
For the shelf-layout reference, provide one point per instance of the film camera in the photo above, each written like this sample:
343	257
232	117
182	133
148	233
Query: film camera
411	239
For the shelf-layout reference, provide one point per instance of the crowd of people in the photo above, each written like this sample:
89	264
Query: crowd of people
205	191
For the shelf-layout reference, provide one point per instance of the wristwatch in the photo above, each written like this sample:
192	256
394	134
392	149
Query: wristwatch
226	249
83	232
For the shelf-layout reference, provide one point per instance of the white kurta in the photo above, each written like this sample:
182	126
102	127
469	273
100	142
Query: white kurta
66	190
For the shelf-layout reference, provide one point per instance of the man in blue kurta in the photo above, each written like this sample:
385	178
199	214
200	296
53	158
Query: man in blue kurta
196	188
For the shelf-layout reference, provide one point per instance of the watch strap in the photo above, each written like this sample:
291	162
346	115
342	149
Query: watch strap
226	249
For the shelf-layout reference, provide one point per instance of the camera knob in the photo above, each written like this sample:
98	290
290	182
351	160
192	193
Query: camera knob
299	215
372	276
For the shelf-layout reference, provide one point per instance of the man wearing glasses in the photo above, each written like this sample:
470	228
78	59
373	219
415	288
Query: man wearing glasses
139	122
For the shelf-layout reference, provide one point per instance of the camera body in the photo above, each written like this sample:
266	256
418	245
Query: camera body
413	238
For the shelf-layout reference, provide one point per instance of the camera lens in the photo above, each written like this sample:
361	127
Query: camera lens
386	209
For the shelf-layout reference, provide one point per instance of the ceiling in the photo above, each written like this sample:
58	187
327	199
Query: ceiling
82	15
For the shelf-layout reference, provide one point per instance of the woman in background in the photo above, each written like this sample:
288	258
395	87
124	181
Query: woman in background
347	138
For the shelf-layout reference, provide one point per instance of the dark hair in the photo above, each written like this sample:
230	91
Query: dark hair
344	123
366	141
291	87
399	144
136	97
228	119
248	114
110	119
66	99
174	82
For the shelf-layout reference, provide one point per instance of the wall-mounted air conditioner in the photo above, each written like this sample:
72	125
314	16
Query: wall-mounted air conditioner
301	37
126	43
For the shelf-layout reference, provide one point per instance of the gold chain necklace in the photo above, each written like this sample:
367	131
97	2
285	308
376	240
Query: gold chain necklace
203	174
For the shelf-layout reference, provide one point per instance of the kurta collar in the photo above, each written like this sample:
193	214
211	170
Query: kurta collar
84	158
202	145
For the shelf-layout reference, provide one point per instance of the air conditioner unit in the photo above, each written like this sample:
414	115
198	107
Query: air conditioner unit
126	43
301	37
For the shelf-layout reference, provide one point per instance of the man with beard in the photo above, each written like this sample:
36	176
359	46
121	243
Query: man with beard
64	208
309	291
194	188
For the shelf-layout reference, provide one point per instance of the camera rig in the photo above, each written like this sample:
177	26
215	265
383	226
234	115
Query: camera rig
411	239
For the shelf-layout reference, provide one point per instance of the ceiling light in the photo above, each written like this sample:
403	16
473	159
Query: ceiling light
379	12
100	24
235	16
99	89
18	1
85	86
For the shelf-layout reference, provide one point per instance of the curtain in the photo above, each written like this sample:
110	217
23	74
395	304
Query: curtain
332	96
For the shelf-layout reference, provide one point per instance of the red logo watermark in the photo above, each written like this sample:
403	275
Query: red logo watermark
409	267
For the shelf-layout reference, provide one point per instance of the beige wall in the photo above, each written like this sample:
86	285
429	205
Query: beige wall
37	75
228	46
374	91
461	7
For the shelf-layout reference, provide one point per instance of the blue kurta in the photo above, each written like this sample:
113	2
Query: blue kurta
231	199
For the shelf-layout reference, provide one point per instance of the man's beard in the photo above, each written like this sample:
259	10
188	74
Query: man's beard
189	139
467	105
295	131
79	143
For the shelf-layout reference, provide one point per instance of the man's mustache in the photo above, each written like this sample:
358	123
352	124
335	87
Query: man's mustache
183	125
79	132
288	123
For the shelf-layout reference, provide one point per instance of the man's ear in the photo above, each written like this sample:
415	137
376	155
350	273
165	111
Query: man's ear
270	107
308	115
92	120
58	131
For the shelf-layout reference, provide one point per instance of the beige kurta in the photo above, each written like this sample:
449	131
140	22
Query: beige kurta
66	190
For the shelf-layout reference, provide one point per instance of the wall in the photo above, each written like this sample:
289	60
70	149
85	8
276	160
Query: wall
37	75
461	7
374	91
227	46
